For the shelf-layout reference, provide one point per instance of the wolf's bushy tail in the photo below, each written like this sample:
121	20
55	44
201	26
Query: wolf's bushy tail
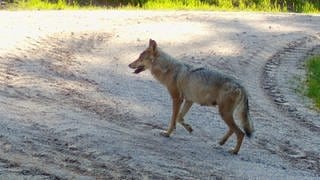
244	114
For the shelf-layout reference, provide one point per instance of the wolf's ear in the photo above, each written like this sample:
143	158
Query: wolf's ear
153	45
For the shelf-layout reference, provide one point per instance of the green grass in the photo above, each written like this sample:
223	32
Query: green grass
313	79
225	5
233	5
43	5
178	5
222	5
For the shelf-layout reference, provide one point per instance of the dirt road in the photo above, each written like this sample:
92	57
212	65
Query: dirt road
70	108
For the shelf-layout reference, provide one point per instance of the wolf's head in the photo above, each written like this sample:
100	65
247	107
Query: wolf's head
146	58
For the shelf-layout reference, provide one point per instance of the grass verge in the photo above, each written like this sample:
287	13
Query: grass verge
313	79
221	5
42	5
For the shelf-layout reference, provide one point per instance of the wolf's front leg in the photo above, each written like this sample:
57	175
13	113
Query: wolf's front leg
175	111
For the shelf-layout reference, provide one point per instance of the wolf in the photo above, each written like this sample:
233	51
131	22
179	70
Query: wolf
187	85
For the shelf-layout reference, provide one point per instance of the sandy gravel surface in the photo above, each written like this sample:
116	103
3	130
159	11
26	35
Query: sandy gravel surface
70	108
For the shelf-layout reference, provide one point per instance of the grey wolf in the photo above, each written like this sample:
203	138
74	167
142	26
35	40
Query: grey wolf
187	85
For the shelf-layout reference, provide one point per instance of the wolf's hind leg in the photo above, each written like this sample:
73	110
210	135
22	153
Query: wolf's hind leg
226	112
186	107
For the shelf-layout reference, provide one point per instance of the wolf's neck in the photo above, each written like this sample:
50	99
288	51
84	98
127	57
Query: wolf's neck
165	67
165	59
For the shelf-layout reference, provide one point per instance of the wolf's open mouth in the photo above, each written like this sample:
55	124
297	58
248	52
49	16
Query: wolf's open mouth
139	69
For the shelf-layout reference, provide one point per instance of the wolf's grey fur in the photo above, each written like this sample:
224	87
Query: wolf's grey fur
189	84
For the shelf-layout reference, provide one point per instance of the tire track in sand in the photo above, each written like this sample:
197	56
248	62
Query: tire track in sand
282	78
47	73
44	82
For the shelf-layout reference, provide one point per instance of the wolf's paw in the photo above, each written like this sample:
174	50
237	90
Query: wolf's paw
188	128
234	152
164	134
222	142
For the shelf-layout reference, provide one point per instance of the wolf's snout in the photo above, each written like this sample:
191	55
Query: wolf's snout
138	69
